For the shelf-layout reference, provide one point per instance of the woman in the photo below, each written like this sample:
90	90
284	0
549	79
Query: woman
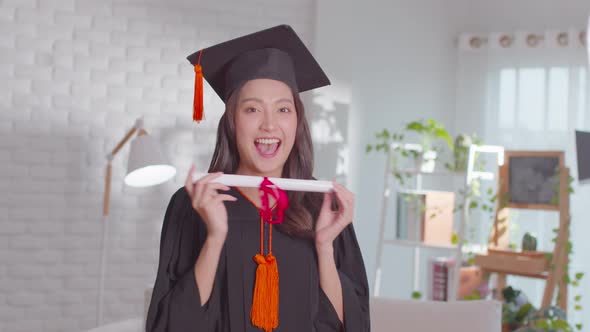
211	232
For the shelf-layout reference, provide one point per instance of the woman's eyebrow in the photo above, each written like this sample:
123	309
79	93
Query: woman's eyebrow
245	100
282	100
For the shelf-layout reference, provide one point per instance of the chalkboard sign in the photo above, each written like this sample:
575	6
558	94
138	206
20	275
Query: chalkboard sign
533	178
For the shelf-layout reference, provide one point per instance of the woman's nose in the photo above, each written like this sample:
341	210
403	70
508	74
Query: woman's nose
268	121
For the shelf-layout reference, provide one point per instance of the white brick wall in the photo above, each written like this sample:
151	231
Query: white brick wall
74	76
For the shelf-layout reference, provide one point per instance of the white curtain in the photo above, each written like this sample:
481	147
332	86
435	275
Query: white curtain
530	91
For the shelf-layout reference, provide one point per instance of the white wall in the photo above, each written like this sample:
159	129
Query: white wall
398	60
506	15
74	77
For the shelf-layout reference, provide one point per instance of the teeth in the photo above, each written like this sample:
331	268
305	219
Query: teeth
267	140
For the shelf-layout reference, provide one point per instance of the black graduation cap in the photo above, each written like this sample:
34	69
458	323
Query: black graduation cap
276	53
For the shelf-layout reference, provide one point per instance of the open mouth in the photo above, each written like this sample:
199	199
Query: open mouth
267	147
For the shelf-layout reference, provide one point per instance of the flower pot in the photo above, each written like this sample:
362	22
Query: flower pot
426	161
509	327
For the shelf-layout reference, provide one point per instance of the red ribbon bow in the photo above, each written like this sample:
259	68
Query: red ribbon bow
267	188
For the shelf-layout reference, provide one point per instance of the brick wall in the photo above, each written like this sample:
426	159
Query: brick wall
74	77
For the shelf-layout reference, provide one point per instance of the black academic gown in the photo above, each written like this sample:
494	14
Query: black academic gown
303	306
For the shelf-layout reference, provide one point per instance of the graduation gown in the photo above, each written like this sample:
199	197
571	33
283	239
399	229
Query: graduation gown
303	306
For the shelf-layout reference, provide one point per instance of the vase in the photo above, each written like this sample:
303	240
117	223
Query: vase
426	162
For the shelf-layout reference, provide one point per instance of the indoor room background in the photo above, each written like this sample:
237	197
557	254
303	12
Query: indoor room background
76	74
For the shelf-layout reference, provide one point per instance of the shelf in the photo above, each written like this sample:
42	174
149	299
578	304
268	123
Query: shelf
514	263
542	275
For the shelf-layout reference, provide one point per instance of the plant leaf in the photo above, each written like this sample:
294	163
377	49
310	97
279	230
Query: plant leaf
455	238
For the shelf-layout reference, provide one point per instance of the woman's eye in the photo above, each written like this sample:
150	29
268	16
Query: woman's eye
284	110
251	110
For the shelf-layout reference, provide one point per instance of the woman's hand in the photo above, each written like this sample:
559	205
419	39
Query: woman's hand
208	202
331	223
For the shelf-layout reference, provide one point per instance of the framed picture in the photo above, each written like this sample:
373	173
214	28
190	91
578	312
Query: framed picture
532	180
583	154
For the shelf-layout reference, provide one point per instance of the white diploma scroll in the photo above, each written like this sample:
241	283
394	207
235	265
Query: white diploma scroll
233	180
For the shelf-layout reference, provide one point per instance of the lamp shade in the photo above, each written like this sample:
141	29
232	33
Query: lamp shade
147	165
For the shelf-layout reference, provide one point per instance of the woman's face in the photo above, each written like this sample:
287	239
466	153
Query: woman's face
266	122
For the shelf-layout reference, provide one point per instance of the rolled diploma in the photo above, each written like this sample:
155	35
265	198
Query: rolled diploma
285	184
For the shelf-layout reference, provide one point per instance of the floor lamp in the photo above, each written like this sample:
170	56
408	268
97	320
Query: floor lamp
146	167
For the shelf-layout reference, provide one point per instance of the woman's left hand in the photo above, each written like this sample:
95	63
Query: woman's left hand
331	223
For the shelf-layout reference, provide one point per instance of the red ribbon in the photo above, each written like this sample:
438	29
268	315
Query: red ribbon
267	188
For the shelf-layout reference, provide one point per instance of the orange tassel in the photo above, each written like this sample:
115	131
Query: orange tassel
198	100
265	304
273	286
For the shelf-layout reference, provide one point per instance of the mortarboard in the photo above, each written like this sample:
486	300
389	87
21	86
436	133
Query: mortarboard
275	53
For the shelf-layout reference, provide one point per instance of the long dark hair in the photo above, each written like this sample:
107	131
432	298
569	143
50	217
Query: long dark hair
303	207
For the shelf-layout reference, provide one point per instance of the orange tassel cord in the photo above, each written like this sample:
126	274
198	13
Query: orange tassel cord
265	304
198	98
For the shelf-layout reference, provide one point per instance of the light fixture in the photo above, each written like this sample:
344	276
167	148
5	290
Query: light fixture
146	167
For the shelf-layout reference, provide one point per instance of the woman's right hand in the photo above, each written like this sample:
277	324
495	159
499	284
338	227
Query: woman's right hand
208	202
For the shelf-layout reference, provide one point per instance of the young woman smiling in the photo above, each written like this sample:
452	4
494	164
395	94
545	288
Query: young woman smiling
206	275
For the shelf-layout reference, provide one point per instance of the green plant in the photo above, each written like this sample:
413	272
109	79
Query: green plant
393	144
520	315
529	242
461	153
430	131
551	319
416	295
515	308
570	279
476	199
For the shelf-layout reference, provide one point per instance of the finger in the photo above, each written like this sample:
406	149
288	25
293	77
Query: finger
201	185
346	208
327	201
188	184
210	177
339	196
225	197
214	186
345	195
212	190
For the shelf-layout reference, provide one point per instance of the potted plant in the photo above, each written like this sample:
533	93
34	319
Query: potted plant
424	154
461	152
515	309
429	131
551	319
